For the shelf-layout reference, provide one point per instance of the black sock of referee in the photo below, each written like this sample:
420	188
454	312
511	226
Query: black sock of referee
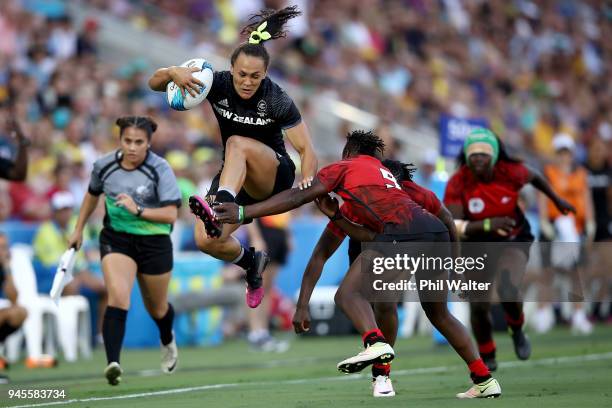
113	330
6	330
165	325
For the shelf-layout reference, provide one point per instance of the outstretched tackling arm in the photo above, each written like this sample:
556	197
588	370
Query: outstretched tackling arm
228	213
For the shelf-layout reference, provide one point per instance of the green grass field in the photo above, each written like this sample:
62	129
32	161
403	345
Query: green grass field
564	371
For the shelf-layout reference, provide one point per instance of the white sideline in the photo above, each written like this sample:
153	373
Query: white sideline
425	370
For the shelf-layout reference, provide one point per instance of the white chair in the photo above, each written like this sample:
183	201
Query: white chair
42	312
69	321
74	327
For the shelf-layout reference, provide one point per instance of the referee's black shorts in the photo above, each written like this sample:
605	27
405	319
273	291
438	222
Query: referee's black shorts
152	253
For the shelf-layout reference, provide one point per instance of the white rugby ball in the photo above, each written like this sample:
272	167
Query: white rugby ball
175	98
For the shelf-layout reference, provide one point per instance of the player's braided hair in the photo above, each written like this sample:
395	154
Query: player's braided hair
140	122
362	142
401	171
275	21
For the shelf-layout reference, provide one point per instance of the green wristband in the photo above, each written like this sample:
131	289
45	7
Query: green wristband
240	214
486	225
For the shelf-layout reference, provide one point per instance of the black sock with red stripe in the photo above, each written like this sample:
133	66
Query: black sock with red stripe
479	371
487	350
373	336
381	369
515	324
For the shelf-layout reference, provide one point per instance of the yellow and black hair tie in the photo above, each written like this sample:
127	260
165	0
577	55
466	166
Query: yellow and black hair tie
260	34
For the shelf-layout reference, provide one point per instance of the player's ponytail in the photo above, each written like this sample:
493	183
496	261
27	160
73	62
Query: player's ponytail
264	26
401	171
269	24
140	122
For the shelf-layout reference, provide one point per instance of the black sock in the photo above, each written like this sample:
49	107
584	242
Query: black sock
6	330
479	379
247	260
224	196
165	326
113	330
488	356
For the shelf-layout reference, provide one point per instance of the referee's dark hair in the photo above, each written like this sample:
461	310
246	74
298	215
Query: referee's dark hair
140	122
276	21
362	142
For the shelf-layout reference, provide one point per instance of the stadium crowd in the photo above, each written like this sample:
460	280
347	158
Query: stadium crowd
533	69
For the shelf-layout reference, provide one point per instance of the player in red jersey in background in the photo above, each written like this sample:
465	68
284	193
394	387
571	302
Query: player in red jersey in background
388	214
482	196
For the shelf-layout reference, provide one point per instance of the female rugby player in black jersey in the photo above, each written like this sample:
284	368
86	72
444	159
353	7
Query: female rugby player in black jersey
253	114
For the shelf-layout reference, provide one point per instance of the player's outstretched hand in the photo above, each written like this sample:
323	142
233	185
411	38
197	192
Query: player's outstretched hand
305	183
301	320
565	207
183	78
227	213
327	204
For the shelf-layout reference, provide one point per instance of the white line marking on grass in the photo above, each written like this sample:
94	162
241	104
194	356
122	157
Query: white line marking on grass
425	370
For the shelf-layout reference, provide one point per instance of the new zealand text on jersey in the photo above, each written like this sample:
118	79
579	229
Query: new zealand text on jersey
242	119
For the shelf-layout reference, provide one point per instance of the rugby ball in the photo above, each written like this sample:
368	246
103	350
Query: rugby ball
175	98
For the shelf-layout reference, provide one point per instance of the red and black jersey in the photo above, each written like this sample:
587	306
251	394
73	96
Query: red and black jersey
497	198
420	195
373	198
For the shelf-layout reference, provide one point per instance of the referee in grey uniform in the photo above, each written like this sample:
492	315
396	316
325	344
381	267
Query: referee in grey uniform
141	199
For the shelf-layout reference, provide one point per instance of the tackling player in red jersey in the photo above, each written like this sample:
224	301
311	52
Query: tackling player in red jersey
379	204
385	312
483	197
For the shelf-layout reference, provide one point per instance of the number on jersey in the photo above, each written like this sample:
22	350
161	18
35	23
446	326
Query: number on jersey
388	176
